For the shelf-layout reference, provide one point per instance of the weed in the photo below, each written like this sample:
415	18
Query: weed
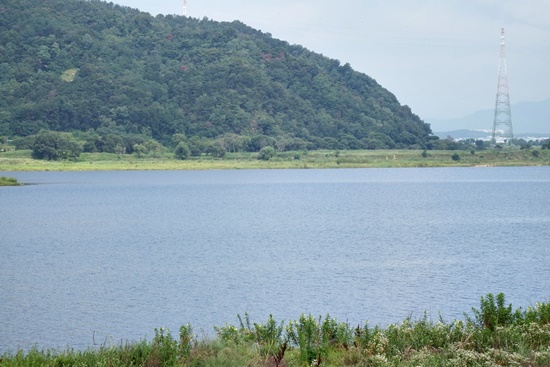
270	341
186	340
165	349
539	314
494	335
244	334
493	312
305	334
315	337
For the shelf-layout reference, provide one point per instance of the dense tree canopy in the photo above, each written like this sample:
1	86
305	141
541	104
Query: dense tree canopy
117	73
51	145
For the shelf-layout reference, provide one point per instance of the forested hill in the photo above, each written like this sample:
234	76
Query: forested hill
72	65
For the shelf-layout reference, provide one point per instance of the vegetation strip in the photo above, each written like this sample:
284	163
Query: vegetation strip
493	335
21	160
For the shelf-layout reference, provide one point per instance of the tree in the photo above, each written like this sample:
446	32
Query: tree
154	147
215	149
182	151
140	150
196	146
480	144
112	143
178	138
52	145
266	153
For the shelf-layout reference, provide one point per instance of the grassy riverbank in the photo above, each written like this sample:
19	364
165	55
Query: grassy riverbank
22	161
494	335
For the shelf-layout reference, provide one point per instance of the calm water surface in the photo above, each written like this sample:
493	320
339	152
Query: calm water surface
102	257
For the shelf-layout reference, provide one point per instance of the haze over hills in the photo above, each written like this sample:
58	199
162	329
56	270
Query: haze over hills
527	118
105	69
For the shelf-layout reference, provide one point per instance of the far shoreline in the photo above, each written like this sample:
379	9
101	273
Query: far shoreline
21	161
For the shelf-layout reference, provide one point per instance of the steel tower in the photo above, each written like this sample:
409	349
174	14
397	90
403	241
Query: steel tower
184	8
502	125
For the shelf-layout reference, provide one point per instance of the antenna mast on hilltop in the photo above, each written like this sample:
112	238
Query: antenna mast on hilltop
184	8
502	125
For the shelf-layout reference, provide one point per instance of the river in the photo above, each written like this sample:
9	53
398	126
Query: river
100	258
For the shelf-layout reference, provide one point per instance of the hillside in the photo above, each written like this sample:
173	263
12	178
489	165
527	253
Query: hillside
104	69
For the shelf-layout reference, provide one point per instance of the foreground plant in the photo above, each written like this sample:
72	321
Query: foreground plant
494	312
269	337
495	334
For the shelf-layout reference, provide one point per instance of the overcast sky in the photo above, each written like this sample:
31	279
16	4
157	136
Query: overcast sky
440	57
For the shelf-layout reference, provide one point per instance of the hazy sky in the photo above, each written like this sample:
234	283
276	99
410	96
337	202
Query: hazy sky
440	57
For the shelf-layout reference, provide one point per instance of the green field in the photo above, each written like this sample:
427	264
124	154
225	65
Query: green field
22	161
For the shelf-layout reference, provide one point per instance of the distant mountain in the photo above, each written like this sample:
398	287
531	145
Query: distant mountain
464	134
101	68
485	135
527	117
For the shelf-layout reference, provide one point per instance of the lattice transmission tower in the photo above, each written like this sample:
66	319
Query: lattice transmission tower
502	124
184	8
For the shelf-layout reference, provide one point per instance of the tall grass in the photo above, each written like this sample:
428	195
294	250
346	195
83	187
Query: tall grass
493	335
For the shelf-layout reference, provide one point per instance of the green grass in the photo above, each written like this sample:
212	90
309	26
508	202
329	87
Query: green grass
69	75
8	181
22	161
512	338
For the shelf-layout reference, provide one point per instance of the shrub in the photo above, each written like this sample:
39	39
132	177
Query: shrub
266	153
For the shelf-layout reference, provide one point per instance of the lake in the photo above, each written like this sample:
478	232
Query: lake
94	258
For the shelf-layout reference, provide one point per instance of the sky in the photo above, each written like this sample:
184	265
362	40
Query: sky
439	57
